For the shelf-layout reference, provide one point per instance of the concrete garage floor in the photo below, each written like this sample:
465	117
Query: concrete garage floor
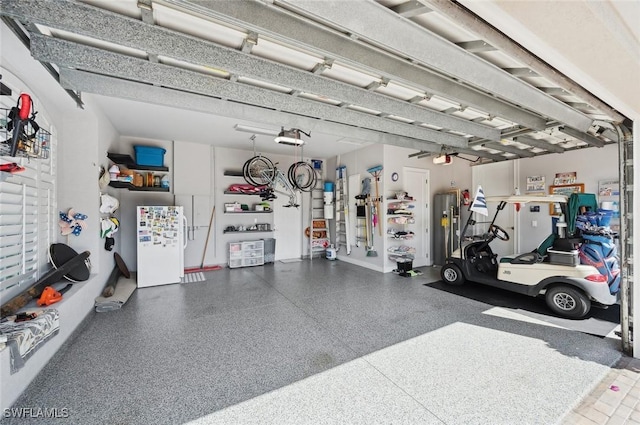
317	342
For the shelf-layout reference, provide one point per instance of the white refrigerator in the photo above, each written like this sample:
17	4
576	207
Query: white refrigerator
161	242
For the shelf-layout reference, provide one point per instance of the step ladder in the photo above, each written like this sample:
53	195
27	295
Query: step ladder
318	228
342	210
362	228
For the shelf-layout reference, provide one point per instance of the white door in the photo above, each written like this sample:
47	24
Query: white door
497	179
417	185
287	222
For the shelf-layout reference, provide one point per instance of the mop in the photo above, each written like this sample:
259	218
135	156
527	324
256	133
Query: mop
371	251
375	172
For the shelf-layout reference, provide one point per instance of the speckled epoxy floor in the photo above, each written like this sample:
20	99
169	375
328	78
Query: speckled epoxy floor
316	342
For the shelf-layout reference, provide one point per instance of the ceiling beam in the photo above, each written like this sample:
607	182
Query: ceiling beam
114	87
540	144
587	138
479	153
470	22
410	9
521	72
476	46
435	52
521	153
160	41
556	91
280	24
72	55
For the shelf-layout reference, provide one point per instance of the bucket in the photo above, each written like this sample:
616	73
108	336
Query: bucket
331	253
328	212
404	265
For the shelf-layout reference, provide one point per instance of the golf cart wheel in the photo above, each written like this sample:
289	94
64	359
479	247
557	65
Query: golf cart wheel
568	301
451	274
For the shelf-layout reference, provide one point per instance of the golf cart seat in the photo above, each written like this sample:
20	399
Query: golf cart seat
535	256
526	258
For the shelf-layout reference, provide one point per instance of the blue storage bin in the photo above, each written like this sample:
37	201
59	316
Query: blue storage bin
604	217
149	155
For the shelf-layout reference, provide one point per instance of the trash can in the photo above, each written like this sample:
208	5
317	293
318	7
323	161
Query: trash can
269	250
404	265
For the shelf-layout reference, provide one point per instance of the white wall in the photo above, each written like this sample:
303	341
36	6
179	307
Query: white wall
357	163
80	133
289	223
591	166
394	159
126	236
442	178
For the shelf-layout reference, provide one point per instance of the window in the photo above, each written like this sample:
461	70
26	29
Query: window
28	213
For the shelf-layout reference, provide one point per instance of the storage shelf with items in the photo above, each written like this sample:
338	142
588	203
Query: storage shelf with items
318	240
124	175
399	210
245	226
246	254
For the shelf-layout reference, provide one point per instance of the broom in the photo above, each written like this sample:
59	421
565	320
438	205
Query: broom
371	251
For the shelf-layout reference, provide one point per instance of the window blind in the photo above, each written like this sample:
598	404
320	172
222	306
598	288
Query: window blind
28	215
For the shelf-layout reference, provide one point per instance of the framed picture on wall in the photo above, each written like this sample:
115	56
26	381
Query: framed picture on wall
564	189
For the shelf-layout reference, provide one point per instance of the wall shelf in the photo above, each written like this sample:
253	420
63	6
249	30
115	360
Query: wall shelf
233	173
226	192
129	163
129	186
248	212
247	231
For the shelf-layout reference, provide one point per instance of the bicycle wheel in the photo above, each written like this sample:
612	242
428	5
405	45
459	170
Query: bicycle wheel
302	176
258	171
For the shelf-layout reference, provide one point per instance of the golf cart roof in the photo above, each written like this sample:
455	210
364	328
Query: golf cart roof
523	199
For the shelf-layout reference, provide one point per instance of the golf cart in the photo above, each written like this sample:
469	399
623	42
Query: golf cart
552	269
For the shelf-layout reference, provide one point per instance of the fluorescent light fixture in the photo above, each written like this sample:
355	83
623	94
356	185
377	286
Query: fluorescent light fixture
290	137
255	130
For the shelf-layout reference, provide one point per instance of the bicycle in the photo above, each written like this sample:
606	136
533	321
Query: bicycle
261	171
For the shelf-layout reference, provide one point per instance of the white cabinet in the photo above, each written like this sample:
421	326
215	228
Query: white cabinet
192	168
245	254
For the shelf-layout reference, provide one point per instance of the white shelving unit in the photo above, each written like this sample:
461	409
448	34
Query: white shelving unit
399	216
246	254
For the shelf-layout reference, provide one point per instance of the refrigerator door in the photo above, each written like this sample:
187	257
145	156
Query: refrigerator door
445	239
160	239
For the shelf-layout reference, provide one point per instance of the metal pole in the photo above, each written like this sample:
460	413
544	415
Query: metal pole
626	266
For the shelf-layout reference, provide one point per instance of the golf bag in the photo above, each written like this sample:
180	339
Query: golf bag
600	251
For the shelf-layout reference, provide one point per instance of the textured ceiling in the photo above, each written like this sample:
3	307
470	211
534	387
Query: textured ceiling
425	74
